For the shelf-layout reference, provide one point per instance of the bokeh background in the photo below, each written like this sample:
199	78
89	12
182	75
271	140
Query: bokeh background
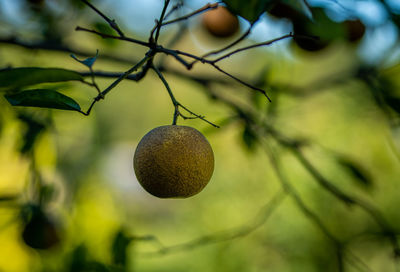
339	104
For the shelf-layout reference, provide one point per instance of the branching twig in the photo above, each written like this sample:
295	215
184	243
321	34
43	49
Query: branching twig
173	9
196	12
252	46
215	52
374	213
242	82
159	22
122	38
176	104
116	82
339	246
112	23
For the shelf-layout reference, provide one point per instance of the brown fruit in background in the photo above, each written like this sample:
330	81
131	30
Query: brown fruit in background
220	22
355	30
40	232
173	161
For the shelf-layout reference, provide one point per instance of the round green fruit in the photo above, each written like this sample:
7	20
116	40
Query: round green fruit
173	161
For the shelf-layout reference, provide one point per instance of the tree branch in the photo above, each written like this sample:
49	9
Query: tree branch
108	36
176	104
208	6
227	235
112	23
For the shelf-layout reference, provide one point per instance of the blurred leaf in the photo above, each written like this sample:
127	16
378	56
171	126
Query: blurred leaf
298	6
322	27
81	262
250	10
119	248
7	198
249	138
43	99
87	62
46	193
357	171
106	29
78	258
34	128
393	102
11	79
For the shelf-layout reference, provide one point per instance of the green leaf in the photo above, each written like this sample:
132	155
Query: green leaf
250	10
11	79
43	99
393	103
8	198
34	127
299	6
249	138
119	248
87	62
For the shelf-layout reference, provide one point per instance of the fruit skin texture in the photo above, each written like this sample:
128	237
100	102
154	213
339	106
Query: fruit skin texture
173	161
220	22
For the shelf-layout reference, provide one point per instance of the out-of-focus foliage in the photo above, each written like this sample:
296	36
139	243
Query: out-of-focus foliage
69	200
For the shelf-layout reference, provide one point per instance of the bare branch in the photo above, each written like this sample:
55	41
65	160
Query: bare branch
160	21
173	9
117	81
368	208
208	6
176	104
242	82
196	116
252	46
112	23
261	218
108	36
215	52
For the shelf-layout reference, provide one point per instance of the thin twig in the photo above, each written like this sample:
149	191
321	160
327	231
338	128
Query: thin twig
208	6
116	82
241	81
261	218
215	52
160	21
196	116
176	104
111	22
108	36
368	208
339	246
173	9
252	46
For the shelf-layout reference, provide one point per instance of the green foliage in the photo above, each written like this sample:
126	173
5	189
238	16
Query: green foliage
43	98
13	79
119	248
251	10
249	138
34	128
81	261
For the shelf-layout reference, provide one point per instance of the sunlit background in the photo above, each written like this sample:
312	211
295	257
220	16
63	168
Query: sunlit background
243	220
